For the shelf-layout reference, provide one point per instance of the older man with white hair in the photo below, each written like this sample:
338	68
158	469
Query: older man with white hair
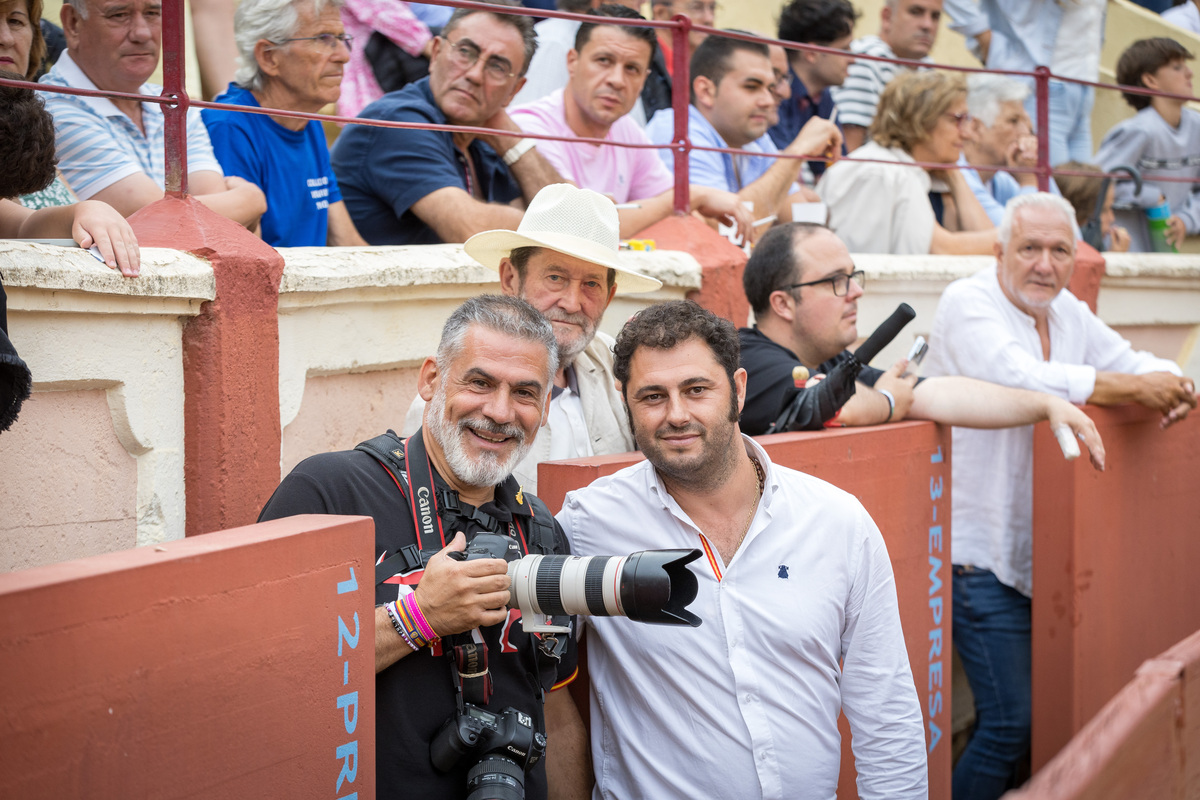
113	150
1017	324
292	56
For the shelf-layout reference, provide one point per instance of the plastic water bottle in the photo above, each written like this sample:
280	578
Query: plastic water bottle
1156	223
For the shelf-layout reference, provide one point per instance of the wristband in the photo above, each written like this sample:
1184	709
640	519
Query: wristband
891	403
514	153
390	608
409	603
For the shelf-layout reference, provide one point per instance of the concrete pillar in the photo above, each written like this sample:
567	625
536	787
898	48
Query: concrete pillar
231	365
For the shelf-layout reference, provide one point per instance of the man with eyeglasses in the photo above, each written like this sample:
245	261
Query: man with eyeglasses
292	59
804	289
113	149
409	186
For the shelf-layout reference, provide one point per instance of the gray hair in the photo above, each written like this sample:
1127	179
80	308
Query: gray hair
80	7
986	93
522	23
273	20
1042	200
511	316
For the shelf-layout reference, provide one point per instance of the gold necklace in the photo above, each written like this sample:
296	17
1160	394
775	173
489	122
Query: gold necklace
760	478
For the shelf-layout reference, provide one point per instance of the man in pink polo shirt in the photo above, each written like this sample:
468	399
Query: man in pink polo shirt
607	69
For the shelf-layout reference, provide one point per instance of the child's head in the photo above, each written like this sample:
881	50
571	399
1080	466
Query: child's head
26	141
1083	192
1146	57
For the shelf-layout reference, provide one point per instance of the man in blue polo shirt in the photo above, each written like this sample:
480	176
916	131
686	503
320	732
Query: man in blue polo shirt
407	186
828	23
292	59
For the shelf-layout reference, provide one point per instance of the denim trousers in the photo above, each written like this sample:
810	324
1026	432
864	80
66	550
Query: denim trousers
991	631
1070	120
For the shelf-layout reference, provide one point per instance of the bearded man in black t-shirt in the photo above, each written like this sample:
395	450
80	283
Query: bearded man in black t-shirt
487	392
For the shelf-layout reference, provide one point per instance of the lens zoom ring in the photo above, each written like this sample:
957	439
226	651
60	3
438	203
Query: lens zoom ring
593	586
547	585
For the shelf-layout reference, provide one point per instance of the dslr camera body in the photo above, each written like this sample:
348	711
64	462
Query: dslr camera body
505	746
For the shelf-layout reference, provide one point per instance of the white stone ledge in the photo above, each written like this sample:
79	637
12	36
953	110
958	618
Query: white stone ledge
321	276
70	279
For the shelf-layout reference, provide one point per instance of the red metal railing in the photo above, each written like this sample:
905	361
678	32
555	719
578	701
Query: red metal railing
175	101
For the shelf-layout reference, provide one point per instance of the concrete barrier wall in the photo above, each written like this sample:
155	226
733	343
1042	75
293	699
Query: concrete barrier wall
96	462
901	474
1114	555
1145	742
238	664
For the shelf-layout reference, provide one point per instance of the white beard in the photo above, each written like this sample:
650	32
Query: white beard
486	469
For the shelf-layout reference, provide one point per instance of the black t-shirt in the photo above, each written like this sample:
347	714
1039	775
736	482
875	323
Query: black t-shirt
415	696
769	384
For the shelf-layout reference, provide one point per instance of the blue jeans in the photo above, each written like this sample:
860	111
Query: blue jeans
991	631
1070	120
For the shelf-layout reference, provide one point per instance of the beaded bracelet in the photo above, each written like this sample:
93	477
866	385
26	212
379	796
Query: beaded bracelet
395	618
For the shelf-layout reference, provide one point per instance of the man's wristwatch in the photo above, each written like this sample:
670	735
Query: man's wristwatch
514	153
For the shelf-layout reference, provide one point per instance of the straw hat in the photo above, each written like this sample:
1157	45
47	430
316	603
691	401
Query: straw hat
575	222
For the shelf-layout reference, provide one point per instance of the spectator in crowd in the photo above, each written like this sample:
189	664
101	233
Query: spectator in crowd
731	106
1000	137
27	151
292	59
607	67
802	284
885	207
828	23
656	93
1186	15
113	150
724	701
407	186
563	259
1016	324
1162	139
395	20
1083	192
488	388
1064	36
907	29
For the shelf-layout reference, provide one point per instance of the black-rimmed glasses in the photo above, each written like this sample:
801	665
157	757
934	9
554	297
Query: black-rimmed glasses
839	282
328	40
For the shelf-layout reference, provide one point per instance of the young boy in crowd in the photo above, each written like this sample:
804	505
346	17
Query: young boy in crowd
1162	140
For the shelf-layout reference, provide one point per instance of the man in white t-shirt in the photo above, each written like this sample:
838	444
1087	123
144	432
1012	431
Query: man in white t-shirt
607	69
563	259
1016	324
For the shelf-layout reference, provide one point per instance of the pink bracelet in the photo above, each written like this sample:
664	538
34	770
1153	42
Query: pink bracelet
410	604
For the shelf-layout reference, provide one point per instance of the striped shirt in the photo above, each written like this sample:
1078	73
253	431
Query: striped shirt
858	97
98	145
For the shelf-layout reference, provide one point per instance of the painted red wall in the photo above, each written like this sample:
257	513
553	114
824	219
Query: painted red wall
237	664
1114	557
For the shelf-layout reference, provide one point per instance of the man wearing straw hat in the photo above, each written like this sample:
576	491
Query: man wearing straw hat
563	260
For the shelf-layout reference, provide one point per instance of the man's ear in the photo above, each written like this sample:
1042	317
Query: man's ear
265	53
70	20
783	305
427	379
572	61
510	281
706	92
998	249
739	386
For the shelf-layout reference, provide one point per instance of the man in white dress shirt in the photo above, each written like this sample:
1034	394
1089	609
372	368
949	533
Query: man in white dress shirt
563	259
1016	324
796	594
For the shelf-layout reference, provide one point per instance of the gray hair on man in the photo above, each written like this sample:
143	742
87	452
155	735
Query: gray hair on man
273	20
986	93
522	23
1040	200
508	315
80	7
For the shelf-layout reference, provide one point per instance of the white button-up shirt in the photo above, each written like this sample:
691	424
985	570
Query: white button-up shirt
978	332
800	625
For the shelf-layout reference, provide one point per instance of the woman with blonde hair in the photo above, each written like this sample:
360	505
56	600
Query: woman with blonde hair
881	204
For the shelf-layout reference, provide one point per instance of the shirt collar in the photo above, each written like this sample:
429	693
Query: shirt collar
753	449
73	76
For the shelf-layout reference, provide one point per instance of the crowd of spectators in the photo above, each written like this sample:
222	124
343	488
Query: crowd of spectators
428	64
